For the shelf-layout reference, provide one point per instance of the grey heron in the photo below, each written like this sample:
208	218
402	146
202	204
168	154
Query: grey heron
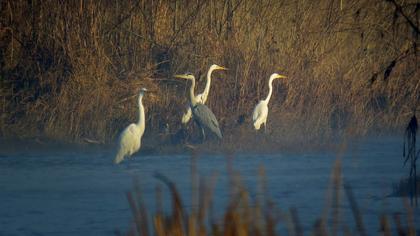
202	97
200	112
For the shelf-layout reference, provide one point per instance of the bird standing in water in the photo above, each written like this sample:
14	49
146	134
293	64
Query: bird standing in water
200	112
130	137
260	113
202	97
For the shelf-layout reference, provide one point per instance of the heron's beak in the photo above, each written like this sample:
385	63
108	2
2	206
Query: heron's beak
222	68
181	76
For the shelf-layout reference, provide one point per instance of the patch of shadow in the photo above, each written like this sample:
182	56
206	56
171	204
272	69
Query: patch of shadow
405	188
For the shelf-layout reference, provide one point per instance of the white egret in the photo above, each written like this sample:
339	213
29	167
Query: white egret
200	112
202	97
259	116
130	137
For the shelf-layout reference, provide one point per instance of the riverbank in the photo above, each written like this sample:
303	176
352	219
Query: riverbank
155	147
72	71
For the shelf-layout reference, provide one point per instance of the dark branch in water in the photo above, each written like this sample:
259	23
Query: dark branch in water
410	145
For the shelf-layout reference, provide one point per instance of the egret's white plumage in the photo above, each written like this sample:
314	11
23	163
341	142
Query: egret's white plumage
130	137
259	116
260	113
202	97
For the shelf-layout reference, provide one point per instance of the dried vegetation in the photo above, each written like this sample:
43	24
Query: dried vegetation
246	214
70	70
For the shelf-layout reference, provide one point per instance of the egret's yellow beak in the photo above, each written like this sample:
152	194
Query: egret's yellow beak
221	68
281	77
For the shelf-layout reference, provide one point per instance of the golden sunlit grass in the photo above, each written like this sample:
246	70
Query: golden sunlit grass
253	215
70	70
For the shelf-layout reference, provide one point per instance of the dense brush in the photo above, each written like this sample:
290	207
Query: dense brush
69	69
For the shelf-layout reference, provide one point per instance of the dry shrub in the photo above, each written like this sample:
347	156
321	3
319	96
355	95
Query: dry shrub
66	67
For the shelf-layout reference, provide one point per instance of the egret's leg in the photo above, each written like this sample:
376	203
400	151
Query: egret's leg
119	157
256	136
128	165
265	127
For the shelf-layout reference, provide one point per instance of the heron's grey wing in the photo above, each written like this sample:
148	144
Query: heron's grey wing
207	119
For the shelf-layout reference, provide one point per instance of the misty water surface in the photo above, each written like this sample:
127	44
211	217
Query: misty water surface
80	192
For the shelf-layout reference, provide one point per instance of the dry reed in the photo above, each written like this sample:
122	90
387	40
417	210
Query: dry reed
243	216
70	70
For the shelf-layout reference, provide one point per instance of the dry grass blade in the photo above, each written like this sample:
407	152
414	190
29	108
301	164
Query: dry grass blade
320	229
388	69
400	228
336	196
333	199
144	223
385	225
295	219
411	228
355	209
178	214
139	214
206	195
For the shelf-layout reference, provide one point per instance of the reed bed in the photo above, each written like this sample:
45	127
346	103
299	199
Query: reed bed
253	215
70	70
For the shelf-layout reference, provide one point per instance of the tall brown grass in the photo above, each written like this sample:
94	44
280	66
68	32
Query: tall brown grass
70	70
254	215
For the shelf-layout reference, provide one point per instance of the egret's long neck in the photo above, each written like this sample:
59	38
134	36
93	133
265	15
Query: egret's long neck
192	96
141	122
207	88
270	89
